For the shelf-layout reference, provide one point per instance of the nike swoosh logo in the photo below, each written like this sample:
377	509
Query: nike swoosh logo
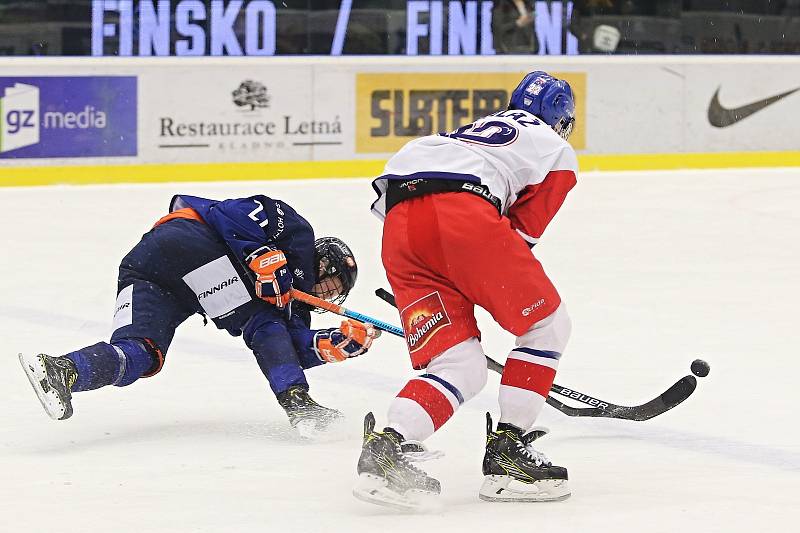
722	117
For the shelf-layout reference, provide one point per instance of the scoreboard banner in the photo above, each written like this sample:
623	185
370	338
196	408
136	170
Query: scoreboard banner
265	27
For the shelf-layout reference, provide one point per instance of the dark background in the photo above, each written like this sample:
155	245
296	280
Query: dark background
63	27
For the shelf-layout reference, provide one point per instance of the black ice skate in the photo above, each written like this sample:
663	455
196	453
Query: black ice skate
307	416
515	472
52	379
386	475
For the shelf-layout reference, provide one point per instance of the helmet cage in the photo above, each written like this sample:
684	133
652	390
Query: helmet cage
335	268
564	127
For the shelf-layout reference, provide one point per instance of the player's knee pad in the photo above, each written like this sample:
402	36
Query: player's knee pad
463	366
549	334
119	363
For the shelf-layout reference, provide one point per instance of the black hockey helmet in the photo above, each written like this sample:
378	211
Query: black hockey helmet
336	269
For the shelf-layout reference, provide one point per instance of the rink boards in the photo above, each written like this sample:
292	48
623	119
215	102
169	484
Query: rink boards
106	120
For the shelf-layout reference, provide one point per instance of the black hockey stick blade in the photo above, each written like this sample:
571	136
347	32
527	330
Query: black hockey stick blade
386	296
673	396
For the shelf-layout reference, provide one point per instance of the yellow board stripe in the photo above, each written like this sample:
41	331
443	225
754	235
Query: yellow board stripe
139	173
688	161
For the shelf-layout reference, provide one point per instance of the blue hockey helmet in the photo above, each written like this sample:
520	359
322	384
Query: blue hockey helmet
548	98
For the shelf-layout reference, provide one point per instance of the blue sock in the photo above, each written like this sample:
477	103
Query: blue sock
105	364
98	365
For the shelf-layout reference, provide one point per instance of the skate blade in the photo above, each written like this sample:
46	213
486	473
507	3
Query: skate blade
37	375
508	489
373	489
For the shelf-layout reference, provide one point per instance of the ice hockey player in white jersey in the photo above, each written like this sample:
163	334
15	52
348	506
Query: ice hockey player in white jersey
462	212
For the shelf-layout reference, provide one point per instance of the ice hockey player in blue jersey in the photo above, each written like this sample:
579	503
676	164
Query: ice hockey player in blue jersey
234	261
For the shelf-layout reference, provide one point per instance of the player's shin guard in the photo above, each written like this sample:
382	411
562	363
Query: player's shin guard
101	364
138	359
429	400
531	368
275	352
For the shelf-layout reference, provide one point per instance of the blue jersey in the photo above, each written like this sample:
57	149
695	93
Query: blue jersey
184	266
251	226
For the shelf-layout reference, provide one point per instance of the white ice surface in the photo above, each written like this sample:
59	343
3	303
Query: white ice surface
656	269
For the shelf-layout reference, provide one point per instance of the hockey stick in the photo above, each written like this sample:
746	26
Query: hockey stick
339	310
676	394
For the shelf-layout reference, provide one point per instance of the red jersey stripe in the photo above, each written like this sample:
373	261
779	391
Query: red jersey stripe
536	205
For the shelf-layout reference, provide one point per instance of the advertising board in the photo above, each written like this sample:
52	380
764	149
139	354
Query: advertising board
235	114
68	116
396	107
107	120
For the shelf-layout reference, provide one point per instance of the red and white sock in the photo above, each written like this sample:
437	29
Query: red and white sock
531	369
429	400
525	384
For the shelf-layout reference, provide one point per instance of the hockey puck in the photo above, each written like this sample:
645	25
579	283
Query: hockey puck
700	368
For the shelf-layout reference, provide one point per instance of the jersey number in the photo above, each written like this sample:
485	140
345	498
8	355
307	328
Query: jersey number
253	214
488	133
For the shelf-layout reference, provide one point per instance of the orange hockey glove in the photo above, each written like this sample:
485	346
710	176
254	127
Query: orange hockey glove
351	339
273	278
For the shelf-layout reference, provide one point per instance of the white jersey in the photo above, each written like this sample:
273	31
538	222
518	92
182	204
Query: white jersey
513	153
